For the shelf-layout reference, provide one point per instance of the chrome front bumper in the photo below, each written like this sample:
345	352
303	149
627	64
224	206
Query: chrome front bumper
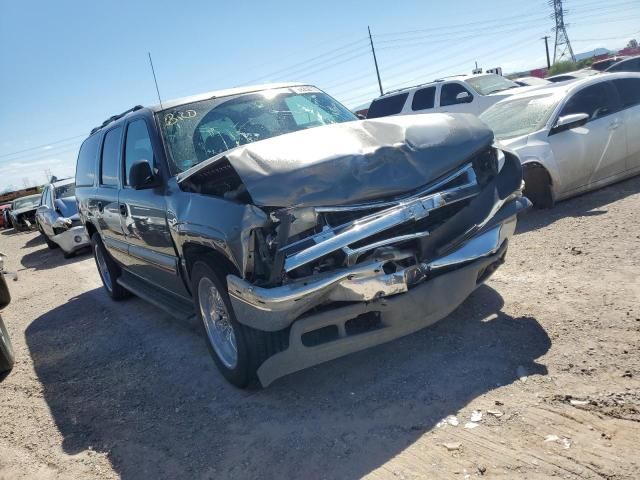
73	239
273	309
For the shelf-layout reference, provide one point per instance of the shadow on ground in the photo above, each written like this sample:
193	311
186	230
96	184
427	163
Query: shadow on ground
45	258
124	379
586	205
35	241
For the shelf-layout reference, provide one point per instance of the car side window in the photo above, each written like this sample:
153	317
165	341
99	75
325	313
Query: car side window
49	197
628	91
595	100
424	98
385	106
110	158
137	147
86	166
449	92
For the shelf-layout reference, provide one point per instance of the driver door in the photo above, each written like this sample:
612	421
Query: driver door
596	151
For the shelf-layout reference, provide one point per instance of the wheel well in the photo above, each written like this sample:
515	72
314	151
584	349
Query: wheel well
536	166
218	261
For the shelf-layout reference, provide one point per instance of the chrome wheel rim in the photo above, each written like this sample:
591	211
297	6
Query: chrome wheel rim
102	268
217	323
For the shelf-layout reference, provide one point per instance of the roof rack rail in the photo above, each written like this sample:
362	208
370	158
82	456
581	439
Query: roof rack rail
113	118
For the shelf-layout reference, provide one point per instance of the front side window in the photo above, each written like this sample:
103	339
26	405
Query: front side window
450	91
137	146
110	157
424	99
596	101
200	130
628	91
383	107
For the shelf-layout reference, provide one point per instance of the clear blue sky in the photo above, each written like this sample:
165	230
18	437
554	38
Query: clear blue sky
66	66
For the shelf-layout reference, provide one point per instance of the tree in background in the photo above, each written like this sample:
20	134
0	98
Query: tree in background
632	43
568	66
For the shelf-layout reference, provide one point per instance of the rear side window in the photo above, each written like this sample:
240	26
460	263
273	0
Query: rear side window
86	166
137	147
110	157
383	107
424	98
628	91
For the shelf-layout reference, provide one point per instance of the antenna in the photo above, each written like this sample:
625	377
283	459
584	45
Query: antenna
562	46
155	80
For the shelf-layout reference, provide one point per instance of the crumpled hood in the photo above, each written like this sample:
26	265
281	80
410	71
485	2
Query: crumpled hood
67	206
354	161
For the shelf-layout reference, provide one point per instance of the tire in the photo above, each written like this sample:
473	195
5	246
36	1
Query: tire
108	269
6	350
252	347
537	186
51	244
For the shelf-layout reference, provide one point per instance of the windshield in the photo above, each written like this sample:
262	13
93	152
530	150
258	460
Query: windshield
196	131
516	117
68	190
26	202
492	83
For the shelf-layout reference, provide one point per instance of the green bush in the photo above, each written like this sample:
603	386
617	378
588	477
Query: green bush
568	66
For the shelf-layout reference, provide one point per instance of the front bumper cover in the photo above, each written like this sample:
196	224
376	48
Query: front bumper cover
73	239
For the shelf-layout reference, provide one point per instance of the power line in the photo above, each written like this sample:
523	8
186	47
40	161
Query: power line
43	145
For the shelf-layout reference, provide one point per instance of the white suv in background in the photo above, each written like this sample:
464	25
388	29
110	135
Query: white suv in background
462	93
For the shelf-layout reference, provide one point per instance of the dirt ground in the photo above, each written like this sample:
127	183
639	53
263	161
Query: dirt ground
546	354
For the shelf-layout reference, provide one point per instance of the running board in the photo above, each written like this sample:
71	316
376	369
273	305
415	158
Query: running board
161	298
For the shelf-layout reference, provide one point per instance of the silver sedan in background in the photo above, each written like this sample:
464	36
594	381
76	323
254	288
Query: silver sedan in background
574	137
57	218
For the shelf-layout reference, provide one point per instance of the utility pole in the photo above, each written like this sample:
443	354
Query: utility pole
546	47
375	60
562	46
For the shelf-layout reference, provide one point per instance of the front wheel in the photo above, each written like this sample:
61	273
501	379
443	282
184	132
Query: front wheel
6	350
237	350
537	186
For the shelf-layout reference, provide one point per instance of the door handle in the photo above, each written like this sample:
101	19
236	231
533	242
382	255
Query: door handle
100	207
123	209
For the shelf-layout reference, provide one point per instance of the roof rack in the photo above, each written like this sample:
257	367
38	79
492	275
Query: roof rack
437	80
113	118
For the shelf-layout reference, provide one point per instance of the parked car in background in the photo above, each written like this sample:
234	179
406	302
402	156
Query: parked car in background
57	218
4	215
296	233
564	77
6	349
531	81
23	212
462	94
628	65
602	65
573	137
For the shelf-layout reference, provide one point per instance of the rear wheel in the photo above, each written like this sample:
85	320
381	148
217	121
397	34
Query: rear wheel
6	350
108	269
537	186
237	350
51	244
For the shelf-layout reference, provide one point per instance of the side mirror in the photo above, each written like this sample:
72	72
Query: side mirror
464	97
568	122
141	175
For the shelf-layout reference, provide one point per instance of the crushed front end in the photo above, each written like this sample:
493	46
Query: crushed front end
342	278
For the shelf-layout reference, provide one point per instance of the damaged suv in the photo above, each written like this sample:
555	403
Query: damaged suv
297	233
